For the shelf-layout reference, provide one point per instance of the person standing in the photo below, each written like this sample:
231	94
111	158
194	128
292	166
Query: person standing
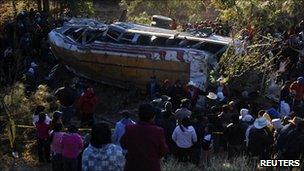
87	104
144	141
101	154
184	111
43	138
184	136
235	136
66	96
56	151
120	126
72	145
260	139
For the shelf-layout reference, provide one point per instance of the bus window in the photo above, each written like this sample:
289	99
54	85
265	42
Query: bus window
127	38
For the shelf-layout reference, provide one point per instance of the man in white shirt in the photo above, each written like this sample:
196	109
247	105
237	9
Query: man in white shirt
184	136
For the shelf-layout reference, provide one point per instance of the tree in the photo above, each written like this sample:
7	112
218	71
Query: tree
260	13
180	10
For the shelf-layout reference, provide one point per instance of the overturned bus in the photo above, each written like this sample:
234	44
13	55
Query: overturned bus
127	54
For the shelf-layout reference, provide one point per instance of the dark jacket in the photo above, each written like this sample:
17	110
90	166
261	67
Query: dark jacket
66	96
282	136
146	145
294	146
169	124
235	133
151	91
260	141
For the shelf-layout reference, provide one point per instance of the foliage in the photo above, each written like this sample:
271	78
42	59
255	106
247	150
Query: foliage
17	103
181	10
82	8
260	13
20	106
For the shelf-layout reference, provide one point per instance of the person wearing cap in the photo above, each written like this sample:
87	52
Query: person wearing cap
285	132
120	126
245	117
260	139
183	111
192	92
294	147
144	141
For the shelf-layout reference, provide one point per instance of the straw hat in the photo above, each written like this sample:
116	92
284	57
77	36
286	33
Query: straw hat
211	96
296	120
261	122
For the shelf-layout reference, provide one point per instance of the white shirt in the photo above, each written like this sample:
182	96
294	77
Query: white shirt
184	139
36	119
284	108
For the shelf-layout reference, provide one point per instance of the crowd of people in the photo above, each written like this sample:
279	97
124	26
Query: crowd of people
171	126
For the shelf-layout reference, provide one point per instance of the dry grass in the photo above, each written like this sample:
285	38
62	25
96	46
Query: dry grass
218	162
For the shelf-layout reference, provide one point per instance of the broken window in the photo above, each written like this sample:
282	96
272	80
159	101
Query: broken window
112	35
187	43
173	42
158	41
127	38
75	34
213	48
144	40
92	35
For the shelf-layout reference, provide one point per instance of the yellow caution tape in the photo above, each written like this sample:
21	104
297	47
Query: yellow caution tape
33	127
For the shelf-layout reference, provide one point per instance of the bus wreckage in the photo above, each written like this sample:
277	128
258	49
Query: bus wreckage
127	54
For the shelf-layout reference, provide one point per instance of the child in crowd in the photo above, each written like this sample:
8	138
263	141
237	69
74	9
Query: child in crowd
43	138
56	151
72	145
